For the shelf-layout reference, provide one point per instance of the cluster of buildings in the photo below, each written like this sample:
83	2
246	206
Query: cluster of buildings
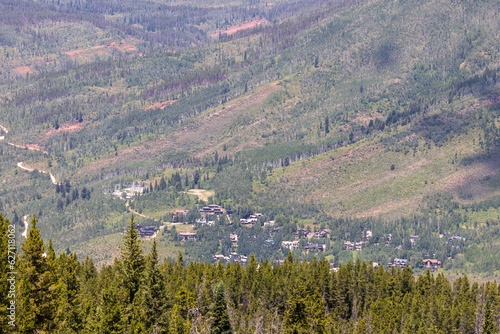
431	264
309	247
212	209
304	233
203	221
233	257
291	245
135	189
251	221
352	246
357	246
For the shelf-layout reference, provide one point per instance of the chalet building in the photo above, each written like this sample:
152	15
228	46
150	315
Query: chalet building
180	213
302	233
290	244
248	222
184	236
353	245
234	239
433	264
413	238
146	231
398	263
456	237
212	209
233	257
205	222
322	234
253	219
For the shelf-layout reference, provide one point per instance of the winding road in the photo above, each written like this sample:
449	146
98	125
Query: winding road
52	177
20	164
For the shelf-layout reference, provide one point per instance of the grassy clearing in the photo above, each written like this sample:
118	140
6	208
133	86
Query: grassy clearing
201	193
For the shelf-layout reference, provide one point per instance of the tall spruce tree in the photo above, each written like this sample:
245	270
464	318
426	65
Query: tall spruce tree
36	293
220	315
153	296
133	262
69	316
110	311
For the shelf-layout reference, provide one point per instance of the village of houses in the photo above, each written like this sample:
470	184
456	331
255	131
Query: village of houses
313	240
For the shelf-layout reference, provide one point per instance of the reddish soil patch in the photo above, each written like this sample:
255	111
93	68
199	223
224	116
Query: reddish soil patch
122	46
159	105
66	128
243	26
101	49
22	70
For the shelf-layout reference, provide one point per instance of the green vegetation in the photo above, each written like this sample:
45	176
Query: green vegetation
352	116
141	294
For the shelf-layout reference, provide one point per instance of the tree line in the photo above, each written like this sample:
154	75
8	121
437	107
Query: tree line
140	294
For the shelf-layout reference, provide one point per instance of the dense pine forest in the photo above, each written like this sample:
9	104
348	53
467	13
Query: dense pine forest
138	293
346	130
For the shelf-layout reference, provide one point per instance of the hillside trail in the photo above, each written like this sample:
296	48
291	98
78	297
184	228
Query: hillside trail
140	214
20	164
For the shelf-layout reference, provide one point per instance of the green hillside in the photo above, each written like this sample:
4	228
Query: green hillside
351	115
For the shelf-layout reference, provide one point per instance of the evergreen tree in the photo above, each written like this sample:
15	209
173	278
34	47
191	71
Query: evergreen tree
295	320
220	315
36	304
111	313
89	294
133	262
489	326
153	297
69	318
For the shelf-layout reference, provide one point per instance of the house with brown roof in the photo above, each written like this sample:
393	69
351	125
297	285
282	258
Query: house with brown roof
184	236
432	263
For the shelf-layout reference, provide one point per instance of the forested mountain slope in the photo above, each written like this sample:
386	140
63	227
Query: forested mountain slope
381	114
